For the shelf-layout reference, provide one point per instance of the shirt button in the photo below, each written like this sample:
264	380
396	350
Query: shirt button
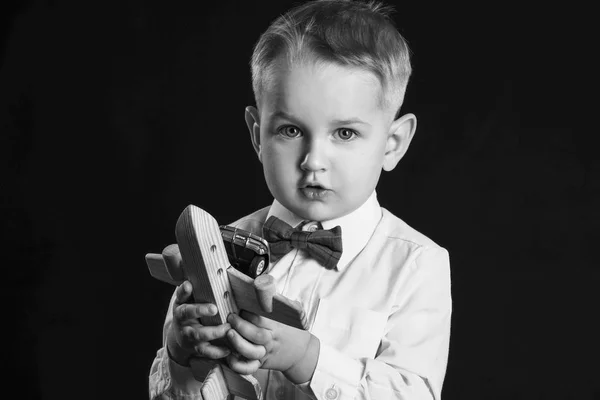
280	393
311	227
331	394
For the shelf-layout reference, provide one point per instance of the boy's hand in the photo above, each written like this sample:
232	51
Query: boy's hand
263	343
187	337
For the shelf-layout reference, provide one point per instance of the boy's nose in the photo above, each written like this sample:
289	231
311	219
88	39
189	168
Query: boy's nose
314	157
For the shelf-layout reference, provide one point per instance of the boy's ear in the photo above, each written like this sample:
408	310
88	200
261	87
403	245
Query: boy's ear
253	122
399	137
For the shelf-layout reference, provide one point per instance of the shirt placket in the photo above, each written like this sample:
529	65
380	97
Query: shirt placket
278	387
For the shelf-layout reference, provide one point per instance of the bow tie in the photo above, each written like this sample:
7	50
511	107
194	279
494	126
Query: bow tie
325	246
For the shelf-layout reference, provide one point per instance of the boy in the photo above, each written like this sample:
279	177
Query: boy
329	78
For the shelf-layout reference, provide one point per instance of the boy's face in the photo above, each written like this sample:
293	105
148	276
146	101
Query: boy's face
323	138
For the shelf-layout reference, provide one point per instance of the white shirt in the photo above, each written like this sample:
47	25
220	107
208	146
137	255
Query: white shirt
382	318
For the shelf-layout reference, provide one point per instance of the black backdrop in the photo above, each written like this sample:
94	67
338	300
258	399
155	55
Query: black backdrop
117	114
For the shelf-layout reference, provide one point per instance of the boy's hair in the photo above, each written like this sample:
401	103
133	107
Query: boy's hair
344	32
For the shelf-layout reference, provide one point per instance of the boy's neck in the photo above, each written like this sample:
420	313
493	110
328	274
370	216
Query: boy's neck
357	226
293	219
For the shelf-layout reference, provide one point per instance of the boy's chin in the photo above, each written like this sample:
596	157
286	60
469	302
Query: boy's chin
318	211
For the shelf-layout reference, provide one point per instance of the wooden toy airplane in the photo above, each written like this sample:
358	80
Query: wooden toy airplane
206	265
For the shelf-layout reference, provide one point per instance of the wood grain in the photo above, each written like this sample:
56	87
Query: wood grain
265	288
241	388
215	385
205	261
158	269
222	383
172	257
285	310
206	265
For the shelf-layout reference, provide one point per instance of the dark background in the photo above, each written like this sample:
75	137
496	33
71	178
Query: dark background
115	115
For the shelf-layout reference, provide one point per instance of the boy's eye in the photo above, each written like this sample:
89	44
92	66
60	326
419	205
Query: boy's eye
346	134
289	131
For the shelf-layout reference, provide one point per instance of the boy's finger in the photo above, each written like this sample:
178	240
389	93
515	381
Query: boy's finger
185	312
211	351
183	292
250	331
192	336
189	337
208	333
246	349
241	366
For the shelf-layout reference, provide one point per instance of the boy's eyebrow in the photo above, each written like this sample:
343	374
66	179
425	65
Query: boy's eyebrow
283	114
350	121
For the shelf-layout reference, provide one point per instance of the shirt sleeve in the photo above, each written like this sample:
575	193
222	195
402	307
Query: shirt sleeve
410	363
169	380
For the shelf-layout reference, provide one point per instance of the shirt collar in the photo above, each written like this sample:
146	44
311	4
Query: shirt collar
357	227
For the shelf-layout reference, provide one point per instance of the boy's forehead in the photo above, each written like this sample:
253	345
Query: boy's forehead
335	89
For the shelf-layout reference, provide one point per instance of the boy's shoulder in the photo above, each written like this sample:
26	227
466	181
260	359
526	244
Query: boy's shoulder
398	230
252	222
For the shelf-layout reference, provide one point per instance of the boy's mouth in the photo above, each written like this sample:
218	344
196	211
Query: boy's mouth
314	191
